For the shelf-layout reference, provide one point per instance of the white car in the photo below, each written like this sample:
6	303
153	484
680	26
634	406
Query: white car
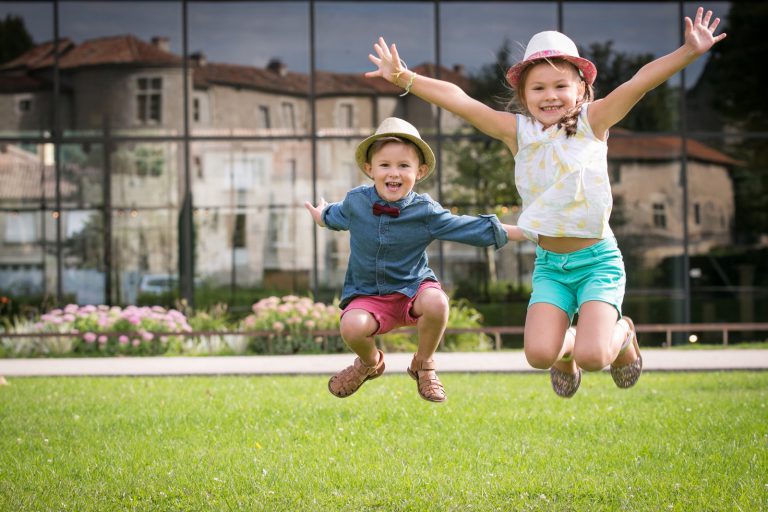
158	283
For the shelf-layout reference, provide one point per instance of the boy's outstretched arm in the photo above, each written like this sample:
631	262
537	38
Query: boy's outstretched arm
497	124
699	38
317	211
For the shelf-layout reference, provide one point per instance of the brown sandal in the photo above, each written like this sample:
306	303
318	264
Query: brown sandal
349	380
563	383
627	376
428	384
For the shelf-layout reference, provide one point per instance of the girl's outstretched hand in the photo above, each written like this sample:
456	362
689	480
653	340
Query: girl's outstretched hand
700	33
317	211
388	61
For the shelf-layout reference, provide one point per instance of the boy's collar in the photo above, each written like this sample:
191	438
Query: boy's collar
400	203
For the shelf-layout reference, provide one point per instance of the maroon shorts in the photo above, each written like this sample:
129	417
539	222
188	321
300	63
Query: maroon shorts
392	310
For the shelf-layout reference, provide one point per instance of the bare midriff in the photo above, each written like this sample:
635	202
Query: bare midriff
565	244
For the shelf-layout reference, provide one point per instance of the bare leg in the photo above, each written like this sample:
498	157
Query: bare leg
357	328
545	341
600	337
431	307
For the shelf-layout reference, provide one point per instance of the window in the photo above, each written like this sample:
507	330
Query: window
196	110
238	235
149	161
659	215
277	231
149	100
24	104
21	228
248	172
697	213
289	117
264	117
346	115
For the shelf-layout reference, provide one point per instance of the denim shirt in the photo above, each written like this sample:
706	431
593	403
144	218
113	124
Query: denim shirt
389	254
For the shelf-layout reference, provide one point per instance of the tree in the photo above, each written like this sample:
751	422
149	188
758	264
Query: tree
737	77
14	38
657	111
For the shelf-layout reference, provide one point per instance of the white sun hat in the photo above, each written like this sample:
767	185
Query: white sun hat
552	44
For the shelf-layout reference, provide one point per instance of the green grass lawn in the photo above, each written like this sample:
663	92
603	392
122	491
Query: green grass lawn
677	441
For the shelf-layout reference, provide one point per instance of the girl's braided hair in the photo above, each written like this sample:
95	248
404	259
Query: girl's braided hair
570	120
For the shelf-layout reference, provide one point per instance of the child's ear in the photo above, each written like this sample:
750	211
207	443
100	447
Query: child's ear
423	171
367	168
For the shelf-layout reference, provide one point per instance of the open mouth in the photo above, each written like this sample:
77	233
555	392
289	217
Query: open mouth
551	108
393	186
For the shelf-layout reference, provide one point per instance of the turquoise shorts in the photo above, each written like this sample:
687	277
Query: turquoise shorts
569	280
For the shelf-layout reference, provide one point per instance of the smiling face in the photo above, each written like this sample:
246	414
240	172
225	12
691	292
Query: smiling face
394	168
550	90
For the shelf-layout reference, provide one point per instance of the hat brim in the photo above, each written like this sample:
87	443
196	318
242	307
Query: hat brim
588	70
362	151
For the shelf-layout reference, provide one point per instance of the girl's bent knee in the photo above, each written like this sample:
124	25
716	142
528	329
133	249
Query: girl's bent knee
592	361
540	360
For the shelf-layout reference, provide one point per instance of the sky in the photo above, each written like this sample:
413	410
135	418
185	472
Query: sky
471	32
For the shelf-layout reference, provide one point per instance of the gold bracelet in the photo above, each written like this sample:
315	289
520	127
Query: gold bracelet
396	76
410	84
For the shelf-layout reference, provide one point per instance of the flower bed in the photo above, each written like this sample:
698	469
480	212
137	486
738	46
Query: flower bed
276	325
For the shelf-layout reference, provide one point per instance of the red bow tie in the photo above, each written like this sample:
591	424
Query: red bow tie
379	209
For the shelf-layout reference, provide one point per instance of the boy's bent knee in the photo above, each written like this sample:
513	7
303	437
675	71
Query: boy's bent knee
434	303
358	323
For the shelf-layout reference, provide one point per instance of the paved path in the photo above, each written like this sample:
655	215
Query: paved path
500	362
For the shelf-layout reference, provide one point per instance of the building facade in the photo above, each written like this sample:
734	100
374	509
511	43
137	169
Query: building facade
178	141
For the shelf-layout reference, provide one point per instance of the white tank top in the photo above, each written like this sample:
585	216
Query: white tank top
563	181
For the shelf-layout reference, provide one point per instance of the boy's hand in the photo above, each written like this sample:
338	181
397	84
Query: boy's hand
388	61
699	33
317	211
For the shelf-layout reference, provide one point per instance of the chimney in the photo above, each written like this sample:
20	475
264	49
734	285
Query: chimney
199	59
459	68
277	66
162	44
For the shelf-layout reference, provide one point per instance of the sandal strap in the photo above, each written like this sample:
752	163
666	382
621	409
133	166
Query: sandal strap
428	383
417	365
349	380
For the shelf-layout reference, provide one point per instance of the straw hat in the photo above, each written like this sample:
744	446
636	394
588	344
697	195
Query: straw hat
395	127
551	44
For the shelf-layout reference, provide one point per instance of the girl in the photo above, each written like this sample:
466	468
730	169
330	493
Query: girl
559	139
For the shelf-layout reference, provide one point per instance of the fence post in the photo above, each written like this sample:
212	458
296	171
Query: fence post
497	336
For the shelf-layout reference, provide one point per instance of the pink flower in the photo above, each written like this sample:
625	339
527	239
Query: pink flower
102	339
148	336
89	337
123	339
278	326
136	342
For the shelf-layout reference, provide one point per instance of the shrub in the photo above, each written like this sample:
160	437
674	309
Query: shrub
293	321
99	330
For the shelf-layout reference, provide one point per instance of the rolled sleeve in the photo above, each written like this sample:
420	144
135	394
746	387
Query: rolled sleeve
480	231
335	216
499	233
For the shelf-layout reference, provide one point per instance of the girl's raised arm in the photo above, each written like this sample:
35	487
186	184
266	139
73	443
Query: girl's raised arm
498	124
699	38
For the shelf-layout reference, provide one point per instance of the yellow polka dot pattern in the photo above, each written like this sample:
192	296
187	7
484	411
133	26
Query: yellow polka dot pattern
563	181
